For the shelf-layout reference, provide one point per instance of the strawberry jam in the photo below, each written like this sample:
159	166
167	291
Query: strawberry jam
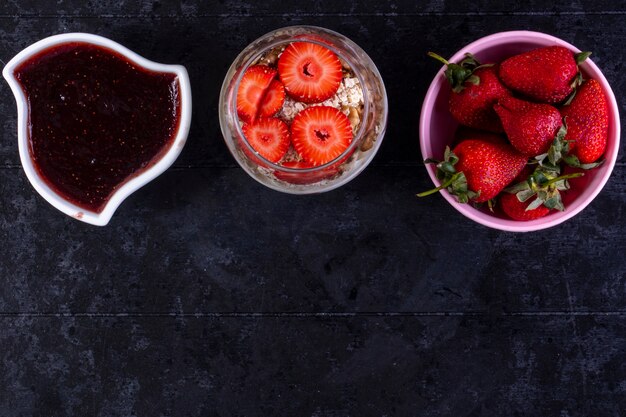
96	119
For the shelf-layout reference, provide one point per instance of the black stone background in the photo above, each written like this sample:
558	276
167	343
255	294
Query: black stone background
210	295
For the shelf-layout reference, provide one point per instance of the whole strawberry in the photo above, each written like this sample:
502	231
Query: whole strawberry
488	166
518	210
478	170
587	119
535	193
530	127
547	74
475	89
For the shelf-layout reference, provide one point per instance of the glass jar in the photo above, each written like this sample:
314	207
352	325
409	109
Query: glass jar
368	134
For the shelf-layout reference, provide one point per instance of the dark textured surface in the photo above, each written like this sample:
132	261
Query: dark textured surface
209	295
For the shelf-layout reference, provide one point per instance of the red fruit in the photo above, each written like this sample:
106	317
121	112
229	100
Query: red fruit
587	119
273	100
488	167
545	74
269	137
297	165
304	177
524	174
310	72
530	127
475	89
477	170
516	209
473	106
320	134
252	88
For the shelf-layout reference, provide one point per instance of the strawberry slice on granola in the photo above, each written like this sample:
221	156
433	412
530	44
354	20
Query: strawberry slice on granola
311	73
252	89
269	137
320	134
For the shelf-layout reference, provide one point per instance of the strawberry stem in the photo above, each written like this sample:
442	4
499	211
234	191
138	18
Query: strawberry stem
562	177
458	74
455	182
446	184
438	58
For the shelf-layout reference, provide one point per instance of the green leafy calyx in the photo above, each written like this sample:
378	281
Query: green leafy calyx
559	152
546	185
459	74
451	179
578	79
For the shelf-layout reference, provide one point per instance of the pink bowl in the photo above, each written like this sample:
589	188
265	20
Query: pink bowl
437	129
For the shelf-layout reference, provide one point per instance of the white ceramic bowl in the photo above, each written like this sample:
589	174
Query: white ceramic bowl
131	185
437	129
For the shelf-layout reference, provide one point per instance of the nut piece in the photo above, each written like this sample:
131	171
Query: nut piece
271	57
354	118
368	142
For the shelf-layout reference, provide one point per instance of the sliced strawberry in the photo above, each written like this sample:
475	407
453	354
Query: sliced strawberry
273	100
297	165
252	88
310	72
269	137
320	134
304	177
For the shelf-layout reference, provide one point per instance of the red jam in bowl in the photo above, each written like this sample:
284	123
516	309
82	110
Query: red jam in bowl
95	119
